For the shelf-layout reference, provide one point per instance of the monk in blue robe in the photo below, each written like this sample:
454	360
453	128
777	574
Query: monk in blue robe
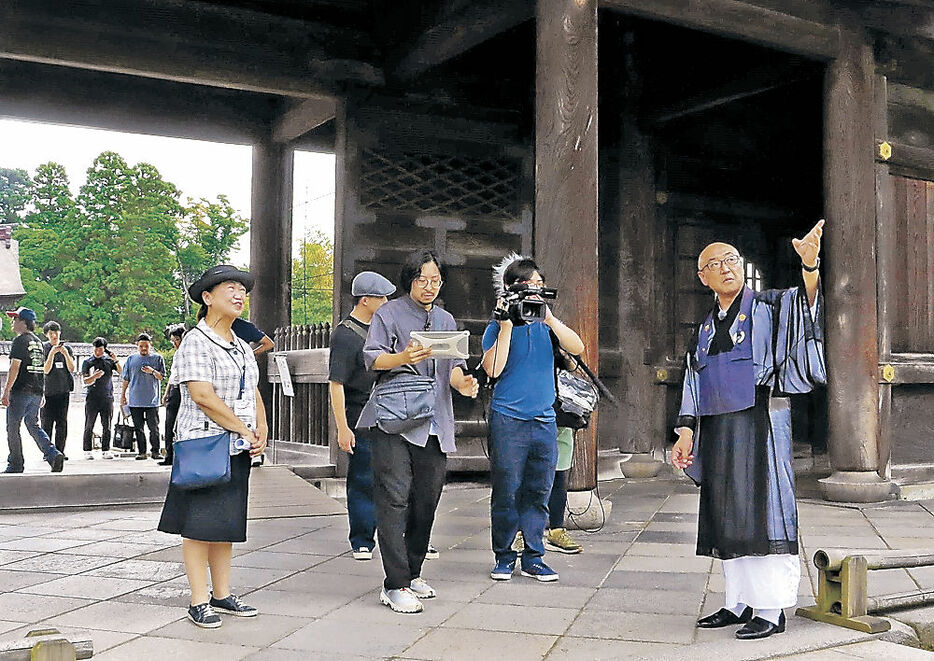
751	347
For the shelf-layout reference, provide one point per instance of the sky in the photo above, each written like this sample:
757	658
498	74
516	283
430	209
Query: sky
197	168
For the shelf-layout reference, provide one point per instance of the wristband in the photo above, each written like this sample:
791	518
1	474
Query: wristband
811	269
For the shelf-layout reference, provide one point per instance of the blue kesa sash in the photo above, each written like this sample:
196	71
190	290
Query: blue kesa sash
727	380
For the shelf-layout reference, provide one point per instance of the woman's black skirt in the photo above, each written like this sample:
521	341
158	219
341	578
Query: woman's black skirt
215	514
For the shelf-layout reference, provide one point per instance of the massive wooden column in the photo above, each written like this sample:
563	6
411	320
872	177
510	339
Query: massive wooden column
566	215
850	276
271	243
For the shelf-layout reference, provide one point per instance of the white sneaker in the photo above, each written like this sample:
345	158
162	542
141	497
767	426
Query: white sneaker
362	553
421	588
402	600
89	456
107	455
432	553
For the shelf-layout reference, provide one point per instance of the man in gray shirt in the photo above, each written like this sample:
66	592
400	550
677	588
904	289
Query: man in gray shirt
408	468
142	374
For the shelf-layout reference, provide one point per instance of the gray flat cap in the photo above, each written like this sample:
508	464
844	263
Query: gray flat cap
370	283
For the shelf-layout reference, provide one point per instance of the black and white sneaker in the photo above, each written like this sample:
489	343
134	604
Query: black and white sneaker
204	616
231	605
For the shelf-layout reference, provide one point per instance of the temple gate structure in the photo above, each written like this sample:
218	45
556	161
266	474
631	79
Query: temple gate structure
611	138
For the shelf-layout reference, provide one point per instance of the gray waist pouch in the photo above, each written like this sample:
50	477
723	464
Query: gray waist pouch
403	402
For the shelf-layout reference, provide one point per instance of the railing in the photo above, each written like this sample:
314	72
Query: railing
842	587
303	418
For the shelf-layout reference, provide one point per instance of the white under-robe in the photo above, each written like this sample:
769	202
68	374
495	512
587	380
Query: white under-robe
763	582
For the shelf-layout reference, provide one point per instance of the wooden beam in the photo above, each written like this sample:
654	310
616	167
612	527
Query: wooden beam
566	182
752	84
303	117
907	160
460	28
62	95
188	42
739	20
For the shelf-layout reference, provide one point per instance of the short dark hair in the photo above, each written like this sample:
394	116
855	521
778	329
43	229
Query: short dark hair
175	330
99	342
412	268
521	269
357	299
30	324
51	326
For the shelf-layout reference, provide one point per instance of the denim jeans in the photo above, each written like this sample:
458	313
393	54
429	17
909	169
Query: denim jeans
523	456
24	407
361	511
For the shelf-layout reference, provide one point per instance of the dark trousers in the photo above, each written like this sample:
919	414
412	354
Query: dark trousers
558	501
407	487
361	510
54	417
523	456
151	416
93	408
172	403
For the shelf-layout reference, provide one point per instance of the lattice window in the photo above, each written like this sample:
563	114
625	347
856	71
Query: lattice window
440	184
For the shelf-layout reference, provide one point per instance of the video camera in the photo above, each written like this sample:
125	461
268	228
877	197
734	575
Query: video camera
525	303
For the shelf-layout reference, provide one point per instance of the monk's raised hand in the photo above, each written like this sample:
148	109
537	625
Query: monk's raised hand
808	248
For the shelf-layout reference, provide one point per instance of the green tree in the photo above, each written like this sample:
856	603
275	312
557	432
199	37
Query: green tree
207	234
313	280
15	191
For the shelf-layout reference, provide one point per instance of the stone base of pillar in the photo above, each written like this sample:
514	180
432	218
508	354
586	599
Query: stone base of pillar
641	466
608	465
855	487
585	511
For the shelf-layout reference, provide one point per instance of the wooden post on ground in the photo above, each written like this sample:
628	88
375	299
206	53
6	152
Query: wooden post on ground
271	244
566	182
850	274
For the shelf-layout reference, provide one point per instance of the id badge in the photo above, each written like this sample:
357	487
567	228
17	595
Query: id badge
243	410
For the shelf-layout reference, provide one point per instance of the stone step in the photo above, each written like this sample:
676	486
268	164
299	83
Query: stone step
913	482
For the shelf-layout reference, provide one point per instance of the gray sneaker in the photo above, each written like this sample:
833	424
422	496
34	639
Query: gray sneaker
231	605
204	616
421	588
402	600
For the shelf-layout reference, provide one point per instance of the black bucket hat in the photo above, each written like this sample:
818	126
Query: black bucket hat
216	275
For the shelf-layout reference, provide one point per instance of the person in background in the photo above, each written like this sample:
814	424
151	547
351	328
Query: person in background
172	397
97	375
23	393
59	369
557	537
142	373
218	377
260	342
349	384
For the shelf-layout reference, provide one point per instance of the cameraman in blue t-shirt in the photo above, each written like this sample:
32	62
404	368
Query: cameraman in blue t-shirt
519	354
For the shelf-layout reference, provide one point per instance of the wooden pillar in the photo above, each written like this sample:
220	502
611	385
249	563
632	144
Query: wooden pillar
852	347
566	210
271	244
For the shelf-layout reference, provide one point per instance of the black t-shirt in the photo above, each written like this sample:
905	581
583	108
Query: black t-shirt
59	380
103	388
28	349
347	367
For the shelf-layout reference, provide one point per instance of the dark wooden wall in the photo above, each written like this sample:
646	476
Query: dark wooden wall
913	307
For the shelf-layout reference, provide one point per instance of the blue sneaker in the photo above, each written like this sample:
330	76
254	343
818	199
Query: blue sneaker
503	570
540	572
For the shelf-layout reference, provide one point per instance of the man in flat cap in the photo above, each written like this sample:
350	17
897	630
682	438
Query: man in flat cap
22	394
349	383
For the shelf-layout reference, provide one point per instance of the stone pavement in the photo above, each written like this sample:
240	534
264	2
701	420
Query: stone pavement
634	593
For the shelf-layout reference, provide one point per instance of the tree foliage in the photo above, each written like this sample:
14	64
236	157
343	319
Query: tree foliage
313	280
117	258
14	194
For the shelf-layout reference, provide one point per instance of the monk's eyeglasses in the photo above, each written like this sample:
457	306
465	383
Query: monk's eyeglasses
715	264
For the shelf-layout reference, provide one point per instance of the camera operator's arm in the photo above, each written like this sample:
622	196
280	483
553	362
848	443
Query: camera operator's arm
569	340
494	358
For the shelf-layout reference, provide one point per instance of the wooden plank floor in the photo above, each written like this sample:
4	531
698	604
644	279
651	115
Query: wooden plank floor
276	492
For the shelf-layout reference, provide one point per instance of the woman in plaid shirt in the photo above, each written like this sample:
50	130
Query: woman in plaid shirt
217	375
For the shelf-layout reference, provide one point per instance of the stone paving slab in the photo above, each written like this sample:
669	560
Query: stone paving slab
635	592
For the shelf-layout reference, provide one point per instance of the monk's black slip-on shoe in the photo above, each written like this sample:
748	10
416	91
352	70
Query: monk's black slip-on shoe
724	618
758	628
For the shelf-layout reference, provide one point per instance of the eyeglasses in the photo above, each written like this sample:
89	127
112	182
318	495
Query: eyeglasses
423	282
715	264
